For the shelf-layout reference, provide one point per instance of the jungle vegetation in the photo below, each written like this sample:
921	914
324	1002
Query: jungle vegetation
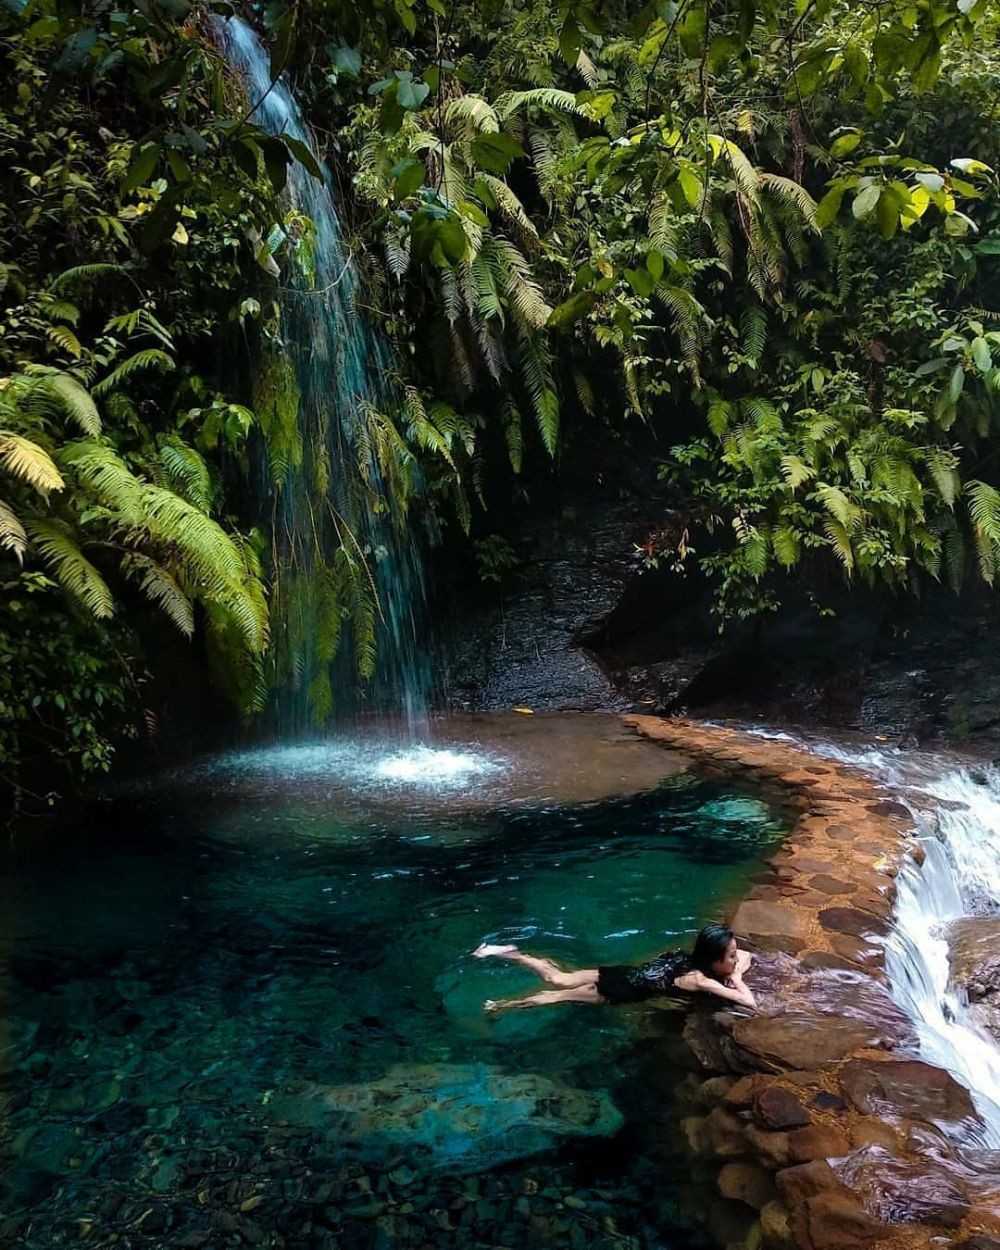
765	229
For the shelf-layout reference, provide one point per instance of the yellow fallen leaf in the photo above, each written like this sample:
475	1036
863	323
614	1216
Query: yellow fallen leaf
525	711
180	235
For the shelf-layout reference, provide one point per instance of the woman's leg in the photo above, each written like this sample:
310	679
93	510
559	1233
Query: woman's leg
549	972
546	998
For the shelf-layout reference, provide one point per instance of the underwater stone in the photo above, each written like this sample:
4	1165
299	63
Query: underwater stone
461	1118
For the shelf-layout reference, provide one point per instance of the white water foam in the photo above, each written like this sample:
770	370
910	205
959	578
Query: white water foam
958	820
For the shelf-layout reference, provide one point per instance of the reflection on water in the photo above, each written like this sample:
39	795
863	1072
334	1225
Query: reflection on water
250	978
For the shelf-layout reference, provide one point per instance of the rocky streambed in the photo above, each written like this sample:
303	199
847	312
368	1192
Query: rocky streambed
816	1124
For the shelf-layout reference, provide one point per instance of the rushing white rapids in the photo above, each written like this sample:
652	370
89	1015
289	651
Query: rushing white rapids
960	831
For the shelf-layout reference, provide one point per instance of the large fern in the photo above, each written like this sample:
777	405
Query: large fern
24	459
55	543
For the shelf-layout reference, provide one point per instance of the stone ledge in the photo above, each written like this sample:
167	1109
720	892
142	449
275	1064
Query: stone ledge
835	1136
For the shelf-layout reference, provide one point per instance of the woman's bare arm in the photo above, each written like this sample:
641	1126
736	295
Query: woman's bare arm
697	982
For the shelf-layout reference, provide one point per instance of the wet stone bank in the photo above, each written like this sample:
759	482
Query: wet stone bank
814	1124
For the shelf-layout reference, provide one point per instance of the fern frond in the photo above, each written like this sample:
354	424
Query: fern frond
474	110
72	569
187	473
84	273
509	205
12	535
74	400
841	544
160	588
108	477
753	332
795	471
587	70
523	292
64	337
148	358
745	175
793	194
550	99
203	543
513	435
663	227
29	462
838	505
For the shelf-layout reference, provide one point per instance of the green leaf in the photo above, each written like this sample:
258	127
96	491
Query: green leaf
654	263
145	157
982	355
829	207
866	200
571	310
408	175
347	60
956	383
845	143
303	153
495	152
641	281
411	94
691	186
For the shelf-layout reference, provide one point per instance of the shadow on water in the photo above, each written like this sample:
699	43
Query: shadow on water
248	1016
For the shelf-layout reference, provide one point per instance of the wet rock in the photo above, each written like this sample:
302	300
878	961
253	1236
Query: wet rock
817	1141
775	1107
862	954
778	925
747	1183
978	1243
458	1117
770	1147
871	1131
830	885
907	1089
825	1101
796	1184
834	1221
805	1041
902	1192
974	953
775	1227
726	1134
852	921
814	961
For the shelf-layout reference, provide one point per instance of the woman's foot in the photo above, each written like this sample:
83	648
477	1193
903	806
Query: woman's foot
491	1006
486	950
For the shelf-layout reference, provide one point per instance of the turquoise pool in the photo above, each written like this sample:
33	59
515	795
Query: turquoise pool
241	1009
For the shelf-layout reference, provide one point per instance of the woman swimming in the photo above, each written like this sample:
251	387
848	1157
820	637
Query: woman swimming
715	966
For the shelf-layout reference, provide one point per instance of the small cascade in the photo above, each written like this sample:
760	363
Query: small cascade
339	538
958	815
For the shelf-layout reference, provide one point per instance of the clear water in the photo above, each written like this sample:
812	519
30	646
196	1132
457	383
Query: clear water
240	1003
341	362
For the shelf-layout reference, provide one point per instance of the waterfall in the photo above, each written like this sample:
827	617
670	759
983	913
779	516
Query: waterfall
336	532
957	810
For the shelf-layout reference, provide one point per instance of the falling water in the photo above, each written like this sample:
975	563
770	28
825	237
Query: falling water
958	815
331	492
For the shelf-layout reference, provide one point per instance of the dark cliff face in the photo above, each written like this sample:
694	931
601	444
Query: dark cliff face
579	624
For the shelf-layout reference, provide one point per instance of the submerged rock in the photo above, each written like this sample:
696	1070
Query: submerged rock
974	952
463	1118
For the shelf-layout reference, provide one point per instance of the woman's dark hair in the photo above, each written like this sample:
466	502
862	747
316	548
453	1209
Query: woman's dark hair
710	946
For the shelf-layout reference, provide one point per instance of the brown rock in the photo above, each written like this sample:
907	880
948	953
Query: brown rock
889	807
775	1107
770	1148
833	1221
918	854
843	833
870	1131
807	1179
830	885
862	953
851	921
825	1101
977	1243
817	1141
746	1182
726	1134
814	960
805	1041
904	1192
758	919
774	1227
741	1094
974	952
694	1130
907	1089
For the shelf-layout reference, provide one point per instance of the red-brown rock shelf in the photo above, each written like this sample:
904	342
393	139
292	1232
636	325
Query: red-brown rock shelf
815	1120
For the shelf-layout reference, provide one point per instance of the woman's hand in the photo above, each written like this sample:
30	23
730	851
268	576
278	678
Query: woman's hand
697	982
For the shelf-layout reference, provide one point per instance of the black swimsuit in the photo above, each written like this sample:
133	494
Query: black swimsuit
625	984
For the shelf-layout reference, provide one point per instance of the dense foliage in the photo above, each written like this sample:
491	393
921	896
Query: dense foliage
765	230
